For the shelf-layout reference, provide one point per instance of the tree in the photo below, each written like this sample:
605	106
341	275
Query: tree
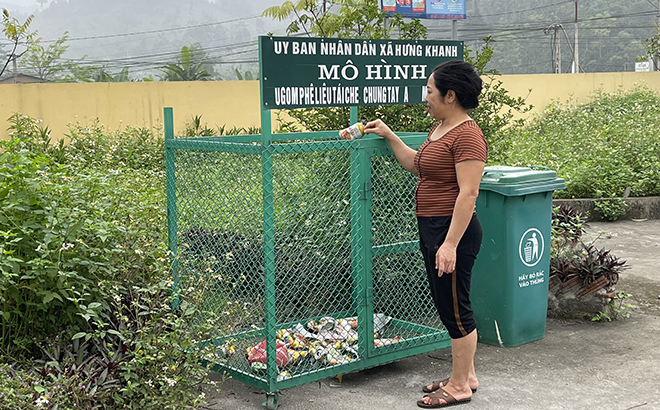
353	19
652	48
364	19
190	67
102	76
46	62
16	33
248	75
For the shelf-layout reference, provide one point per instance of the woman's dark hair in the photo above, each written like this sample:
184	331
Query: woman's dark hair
461	77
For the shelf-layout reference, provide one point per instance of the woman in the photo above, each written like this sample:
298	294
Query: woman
449	166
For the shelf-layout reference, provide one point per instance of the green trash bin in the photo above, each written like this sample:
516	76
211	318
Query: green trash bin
509	291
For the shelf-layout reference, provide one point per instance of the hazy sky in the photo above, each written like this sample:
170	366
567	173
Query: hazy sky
23	3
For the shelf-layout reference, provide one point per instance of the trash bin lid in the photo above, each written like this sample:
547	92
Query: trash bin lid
514	181
500	174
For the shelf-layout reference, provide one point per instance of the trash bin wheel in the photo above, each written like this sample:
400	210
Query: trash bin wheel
272	401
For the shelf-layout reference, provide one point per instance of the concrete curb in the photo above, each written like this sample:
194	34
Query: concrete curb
638	208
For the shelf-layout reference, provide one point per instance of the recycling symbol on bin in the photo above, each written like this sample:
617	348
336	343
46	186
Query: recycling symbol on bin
531	247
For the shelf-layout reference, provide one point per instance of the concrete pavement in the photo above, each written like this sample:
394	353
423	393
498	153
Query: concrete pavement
577	365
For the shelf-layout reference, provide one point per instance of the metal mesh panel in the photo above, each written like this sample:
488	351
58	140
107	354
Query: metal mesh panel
400	284
393	202
312	234
312	242
220	245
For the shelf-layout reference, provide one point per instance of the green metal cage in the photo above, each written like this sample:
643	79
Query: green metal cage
304	249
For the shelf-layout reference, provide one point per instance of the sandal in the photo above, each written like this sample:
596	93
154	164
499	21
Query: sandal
449	400
437	385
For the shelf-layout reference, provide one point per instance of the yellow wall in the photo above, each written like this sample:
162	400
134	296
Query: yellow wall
230	103
236	103
579	88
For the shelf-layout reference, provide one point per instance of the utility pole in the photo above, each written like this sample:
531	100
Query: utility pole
656	59
576	61
556	47
577	53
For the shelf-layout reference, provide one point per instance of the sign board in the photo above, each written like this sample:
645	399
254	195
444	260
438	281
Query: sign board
426	9
331	72
643	66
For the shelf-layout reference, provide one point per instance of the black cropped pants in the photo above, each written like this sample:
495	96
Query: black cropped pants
451	292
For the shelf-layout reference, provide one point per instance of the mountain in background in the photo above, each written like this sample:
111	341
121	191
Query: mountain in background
610	34
144	35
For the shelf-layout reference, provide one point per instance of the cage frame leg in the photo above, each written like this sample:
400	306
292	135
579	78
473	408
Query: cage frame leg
272	400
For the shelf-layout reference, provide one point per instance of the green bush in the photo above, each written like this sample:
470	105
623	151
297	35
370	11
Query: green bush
611	209
20	390
141	354
78	223
158	363
61	233
567	227
132	147
600	148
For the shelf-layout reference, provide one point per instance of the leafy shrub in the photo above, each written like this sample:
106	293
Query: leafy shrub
62	232
28	134
587	262
567	226
158	362
20	390
611	209
42	279
600	148
195	128
76	374
76	224
69	377
141	354
132	147
570	257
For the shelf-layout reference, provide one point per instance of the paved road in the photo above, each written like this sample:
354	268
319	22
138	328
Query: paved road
576	366
638	243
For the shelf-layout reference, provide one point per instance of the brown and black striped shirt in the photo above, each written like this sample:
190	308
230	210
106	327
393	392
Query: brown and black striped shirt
437	185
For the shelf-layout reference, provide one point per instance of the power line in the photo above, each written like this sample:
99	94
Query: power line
524	10
157	31
502	33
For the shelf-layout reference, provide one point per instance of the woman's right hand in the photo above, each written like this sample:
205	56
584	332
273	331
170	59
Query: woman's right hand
379	128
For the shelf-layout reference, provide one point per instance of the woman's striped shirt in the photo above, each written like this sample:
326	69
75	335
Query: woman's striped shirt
437	186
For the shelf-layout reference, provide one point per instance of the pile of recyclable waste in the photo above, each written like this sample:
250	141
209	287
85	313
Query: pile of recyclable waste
326	342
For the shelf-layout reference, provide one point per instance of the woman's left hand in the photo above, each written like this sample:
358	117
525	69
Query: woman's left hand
445	259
